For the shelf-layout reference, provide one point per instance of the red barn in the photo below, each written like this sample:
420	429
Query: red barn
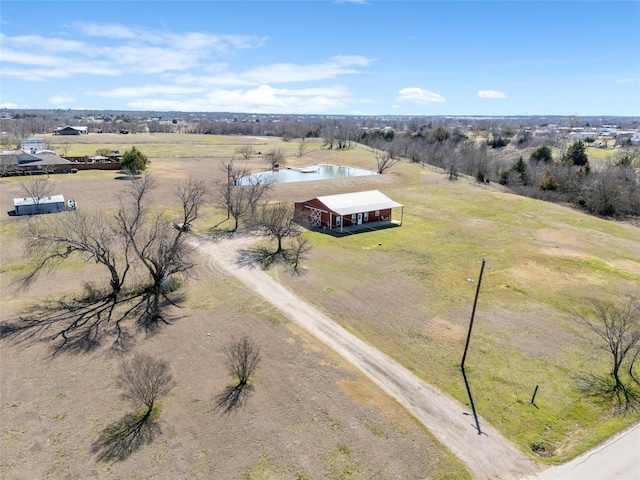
348	210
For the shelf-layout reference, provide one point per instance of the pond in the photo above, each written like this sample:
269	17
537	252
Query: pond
305	174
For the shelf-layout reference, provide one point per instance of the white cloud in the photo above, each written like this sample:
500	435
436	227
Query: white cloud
419	96
42	43
275	73
118	50
491	94
115	31
262	99
187	41
288	72
185	68
627	80
357	2
61	99
148	90
8	105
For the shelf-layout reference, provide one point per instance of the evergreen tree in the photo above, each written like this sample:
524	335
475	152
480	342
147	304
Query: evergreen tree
577	154
133	161
543	154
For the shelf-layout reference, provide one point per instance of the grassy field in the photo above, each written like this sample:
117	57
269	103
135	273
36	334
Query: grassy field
547	262
164	145
407	290
310	415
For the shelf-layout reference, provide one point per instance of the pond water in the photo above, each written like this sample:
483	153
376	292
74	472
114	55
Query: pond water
305	174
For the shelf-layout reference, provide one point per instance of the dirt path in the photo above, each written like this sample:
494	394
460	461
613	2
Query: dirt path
488	456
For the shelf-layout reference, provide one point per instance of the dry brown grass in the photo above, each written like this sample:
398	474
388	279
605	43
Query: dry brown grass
309	415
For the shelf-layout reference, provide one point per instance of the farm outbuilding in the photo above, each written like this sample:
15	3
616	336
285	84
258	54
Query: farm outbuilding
29	206
351	211
71	130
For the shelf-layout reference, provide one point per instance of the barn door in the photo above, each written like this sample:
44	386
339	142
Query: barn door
315	218
359	219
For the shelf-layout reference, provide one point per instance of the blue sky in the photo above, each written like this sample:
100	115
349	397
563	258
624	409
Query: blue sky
324	57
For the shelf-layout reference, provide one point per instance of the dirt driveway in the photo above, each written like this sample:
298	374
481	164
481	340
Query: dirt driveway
488	455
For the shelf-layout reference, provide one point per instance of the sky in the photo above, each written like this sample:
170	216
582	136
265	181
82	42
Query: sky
355	57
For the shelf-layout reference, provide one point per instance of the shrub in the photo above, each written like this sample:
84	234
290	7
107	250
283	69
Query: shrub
549	183
542	153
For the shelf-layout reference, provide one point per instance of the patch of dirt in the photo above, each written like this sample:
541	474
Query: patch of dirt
439	328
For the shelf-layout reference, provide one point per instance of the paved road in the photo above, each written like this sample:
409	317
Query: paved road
617	459
488	455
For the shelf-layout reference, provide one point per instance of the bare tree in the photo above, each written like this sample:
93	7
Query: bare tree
240	200
328	136
162	249
275	158
50	240
618	328
246	151
37	189
298	252
192	194
65	150
385	161
8	165
145	380
343	135
278	220
243	358
7	141
302	146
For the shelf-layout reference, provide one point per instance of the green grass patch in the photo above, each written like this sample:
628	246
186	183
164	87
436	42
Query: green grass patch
599	154
265	468
339	464
163	145
415	290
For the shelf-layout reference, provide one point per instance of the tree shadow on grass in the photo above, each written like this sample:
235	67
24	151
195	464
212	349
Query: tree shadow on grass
82	325
122	438
261	256
232	398
622	397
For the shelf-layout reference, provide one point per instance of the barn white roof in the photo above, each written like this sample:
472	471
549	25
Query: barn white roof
357	202
18	202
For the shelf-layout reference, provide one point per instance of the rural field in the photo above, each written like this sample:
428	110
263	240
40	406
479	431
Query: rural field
408	291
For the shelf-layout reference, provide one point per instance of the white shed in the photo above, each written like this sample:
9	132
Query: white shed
31	206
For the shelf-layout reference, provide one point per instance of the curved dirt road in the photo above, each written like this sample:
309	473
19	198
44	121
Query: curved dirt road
487	456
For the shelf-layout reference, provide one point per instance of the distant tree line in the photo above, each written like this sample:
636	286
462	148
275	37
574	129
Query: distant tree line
559	172
610	189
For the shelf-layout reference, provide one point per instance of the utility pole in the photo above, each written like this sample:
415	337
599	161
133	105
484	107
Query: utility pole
473	313
466	347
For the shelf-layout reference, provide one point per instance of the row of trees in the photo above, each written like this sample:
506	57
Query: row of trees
611	189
